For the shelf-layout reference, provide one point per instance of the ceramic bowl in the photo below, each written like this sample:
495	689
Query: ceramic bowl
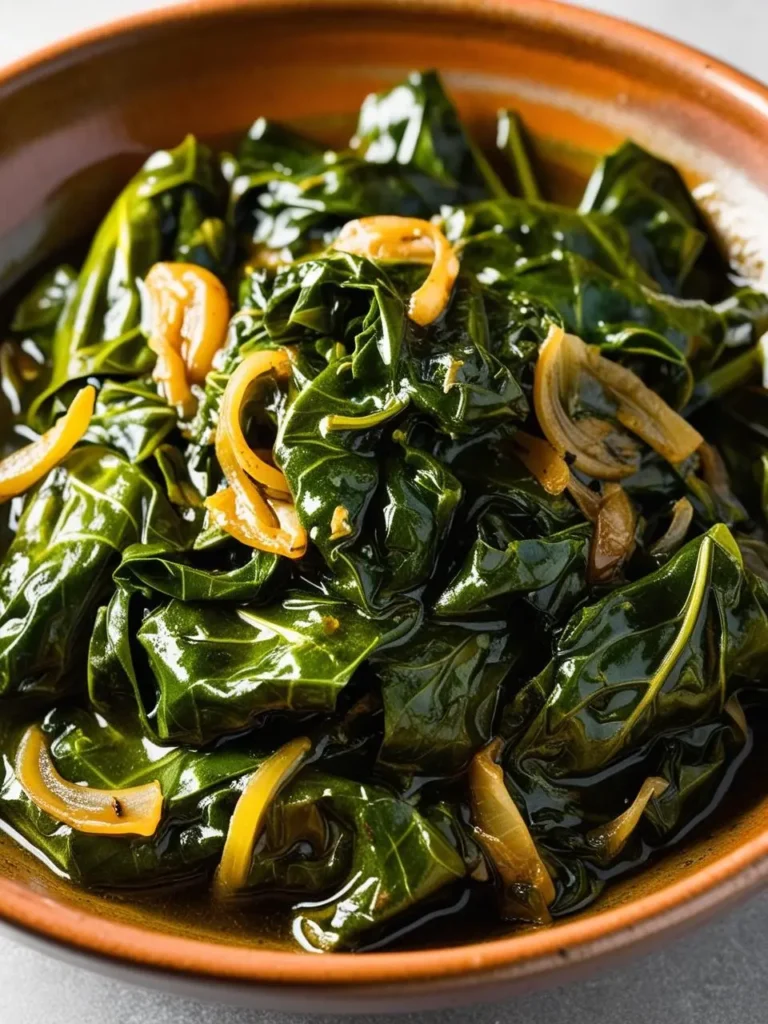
78	118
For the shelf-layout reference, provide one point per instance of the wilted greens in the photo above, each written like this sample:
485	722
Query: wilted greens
385	534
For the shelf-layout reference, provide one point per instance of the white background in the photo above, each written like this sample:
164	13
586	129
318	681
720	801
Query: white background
718	976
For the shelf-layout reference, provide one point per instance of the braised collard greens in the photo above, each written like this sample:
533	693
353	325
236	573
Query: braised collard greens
377	531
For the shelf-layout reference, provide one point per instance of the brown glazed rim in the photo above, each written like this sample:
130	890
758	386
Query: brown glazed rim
582	939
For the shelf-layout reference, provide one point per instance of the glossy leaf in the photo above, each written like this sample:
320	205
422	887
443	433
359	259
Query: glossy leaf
59	567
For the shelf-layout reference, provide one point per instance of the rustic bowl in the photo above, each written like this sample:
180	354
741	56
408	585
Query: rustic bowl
78	118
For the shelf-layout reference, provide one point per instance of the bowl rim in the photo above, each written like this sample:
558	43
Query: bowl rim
581	939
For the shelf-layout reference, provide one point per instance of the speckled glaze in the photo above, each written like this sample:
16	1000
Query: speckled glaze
75	120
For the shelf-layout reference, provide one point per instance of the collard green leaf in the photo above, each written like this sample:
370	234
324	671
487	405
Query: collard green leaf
199	793
100	331
58	568
662	651
399	859
39	311
548	572
132	418
415	125
535	229
598	307
649	197
514	142
214	667
440	692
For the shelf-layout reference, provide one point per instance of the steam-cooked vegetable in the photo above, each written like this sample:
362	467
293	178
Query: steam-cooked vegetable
395	535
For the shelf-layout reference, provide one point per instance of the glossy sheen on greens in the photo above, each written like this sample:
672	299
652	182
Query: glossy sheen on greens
476	706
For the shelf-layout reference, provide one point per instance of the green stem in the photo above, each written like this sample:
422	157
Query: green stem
373	419
511	140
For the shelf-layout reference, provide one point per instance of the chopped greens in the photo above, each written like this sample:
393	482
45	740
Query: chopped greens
392	534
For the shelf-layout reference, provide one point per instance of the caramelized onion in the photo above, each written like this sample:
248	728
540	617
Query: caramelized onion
613	540
256	506
682	514
542	461
610	839
715	474
187	325
598	448
587	500
20	470
251	810
114	812
735	712
407	238
340	525
503	834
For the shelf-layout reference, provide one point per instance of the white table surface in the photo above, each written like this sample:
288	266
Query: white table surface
715	976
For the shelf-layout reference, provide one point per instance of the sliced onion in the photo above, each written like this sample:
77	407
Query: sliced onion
256	506
542	461
587	500
115	812
251	810
613	540
503	834
682	514
735	712
599	449
610	839
20	470
229	433
715	474
340	525
411	239
187	324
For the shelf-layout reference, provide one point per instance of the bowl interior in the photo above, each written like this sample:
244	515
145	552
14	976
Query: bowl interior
76	125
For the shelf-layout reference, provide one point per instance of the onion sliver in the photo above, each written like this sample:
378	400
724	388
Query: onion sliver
598	449
187	325
610	839
504	835
256	506
613	539
250	813
114	812
542	461
23	468
682	515
407	239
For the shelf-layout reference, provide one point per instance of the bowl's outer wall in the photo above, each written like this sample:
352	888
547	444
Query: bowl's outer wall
75	125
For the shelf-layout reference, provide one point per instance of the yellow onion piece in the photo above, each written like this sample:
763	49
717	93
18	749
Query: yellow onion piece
610	839
241	511
613	539
115	812
256	506
187	325
504	835
542	461
229	431
340	525
407	239
715	473
20	470
735	712
682	514
587	500
598	448
249	815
